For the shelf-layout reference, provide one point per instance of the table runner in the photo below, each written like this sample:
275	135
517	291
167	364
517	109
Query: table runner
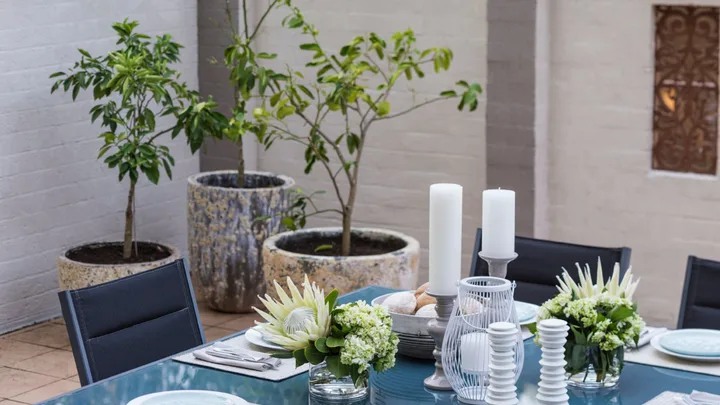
285	370
650	356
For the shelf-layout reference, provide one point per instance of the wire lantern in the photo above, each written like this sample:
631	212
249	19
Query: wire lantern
481	301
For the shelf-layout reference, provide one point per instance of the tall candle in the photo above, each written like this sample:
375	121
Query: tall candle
474	349
498	223
445	249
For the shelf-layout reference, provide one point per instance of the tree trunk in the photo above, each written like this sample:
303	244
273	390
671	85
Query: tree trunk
347	228
241	165
129	216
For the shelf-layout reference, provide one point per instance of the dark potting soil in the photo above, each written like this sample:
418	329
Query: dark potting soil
229	180
112	253
359	245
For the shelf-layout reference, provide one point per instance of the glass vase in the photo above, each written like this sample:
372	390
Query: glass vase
325	385
590	368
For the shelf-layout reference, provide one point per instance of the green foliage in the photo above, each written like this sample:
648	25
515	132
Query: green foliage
135	86
341	87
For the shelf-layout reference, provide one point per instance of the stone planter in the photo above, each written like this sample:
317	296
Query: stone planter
226	231
397	267
73	274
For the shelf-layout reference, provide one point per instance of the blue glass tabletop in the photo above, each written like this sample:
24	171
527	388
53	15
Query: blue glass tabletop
398	386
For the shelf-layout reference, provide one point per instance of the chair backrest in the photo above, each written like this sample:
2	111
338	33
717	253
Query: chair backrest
540	261
129	322
700	305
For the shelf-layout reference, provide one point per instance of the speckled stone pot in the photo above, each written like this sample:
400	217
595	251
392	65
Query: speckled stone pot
73	274
396	269
225	239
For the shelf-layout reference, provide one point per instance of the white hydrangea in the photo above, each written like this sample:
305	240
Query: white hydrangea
370	340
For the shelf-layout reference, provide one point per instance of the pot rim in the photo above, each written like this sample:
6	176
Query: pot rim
174	254
412	245
194	180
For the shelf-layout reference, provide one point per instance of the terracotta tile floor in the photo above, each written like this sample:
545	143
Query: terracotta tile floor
36	362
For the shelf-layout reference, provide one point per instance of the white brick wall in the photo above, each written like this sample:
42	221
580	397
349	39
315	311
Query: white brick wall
405	155
53	193
601	188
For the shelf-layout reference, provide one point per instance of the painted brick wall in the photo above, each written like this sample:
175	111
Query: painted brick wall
405	155
53	193
601	188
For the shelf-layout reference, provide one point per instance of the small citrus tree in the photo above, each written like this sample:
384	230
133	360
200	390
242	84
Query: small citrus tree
340	87
135	86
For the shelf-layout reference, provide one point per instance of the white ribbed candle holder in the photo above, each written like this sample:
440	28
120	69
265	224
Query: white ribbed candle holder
502	389
552	389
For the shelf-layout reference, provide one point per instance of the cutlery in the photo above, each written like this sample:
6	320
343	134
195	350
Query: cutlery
273	363
257	366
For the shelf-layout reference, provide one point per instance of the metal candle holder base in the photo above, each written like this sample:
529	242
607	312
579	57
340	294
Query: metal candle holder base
497	266
436	329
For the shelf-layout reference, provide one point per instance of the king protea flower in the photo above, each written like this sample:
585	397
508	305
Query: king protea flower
297	319
624	288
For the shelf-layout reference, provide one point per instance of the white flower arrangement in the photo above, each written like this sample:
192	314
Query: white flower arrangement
350	338
603	319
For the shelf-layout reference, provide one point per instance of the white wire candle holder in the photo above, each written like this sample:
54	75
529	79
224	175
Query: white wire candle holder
466	349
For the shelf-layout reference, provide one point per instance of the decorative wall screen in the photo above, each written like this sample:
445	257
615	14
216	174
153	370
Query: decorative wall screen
685	113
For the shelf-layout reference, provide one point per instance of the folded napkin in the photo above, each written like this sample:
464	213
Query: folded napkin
702	398
257	366
646	337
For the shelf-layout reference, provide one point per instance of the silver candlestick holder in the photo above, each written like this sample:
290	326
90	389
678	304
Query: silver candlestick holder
436	329
497	266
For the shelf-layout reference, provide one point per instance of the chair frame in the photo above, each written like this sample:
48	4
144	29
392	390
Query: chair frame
76	336
624	251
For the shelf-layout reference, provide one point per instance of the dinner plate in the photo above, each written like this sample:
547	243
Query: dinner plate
526	312
254	336
692	342
655	343
188	398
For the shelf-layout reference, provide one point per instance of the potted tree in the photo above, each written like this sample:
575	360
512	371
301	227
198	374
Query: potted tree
345	257
134	86
232	212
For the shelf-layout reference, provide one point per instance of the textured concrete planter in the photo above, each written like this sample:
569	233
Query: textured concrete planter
225	238
397	269
73	274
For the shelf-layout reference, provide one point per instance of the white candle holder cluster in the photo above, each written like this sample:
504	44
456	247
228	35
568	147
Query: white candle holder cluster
503	340
481	302
552	389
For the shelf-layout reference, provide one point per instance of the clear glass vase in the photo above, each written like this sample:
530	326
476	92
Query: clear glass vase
590	368
325	385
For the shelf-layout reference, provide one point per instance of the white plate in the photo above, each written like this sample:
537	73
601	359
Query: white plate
655	342
526	312
254	336
188	398
692	342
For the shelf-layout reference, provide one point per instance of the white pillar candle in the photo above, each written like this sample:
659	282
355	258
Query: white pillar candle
474	349
498	223
445	248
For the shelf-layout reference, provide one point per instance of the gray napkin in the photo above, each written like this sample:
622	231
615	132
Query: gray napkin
651	333
201	355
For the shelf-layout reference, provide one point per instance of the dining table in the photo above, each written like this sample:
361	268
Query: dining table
401	385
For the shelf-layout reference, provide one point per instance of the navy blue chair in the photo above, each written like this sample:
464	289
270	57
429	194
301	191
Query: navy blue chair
540	261
700	305
123	324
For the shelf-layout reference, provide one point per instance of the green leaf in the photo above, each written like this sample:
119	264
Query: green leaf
295	22
282	355
578	359
353	141
532	328
322	248
168	170
579	336
75	92
336	367
321	346
449	93
331	298
285	110
153	174
383	109
313	355
300	358
310	47
84	53
265	55
619	313
334	342
57	74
